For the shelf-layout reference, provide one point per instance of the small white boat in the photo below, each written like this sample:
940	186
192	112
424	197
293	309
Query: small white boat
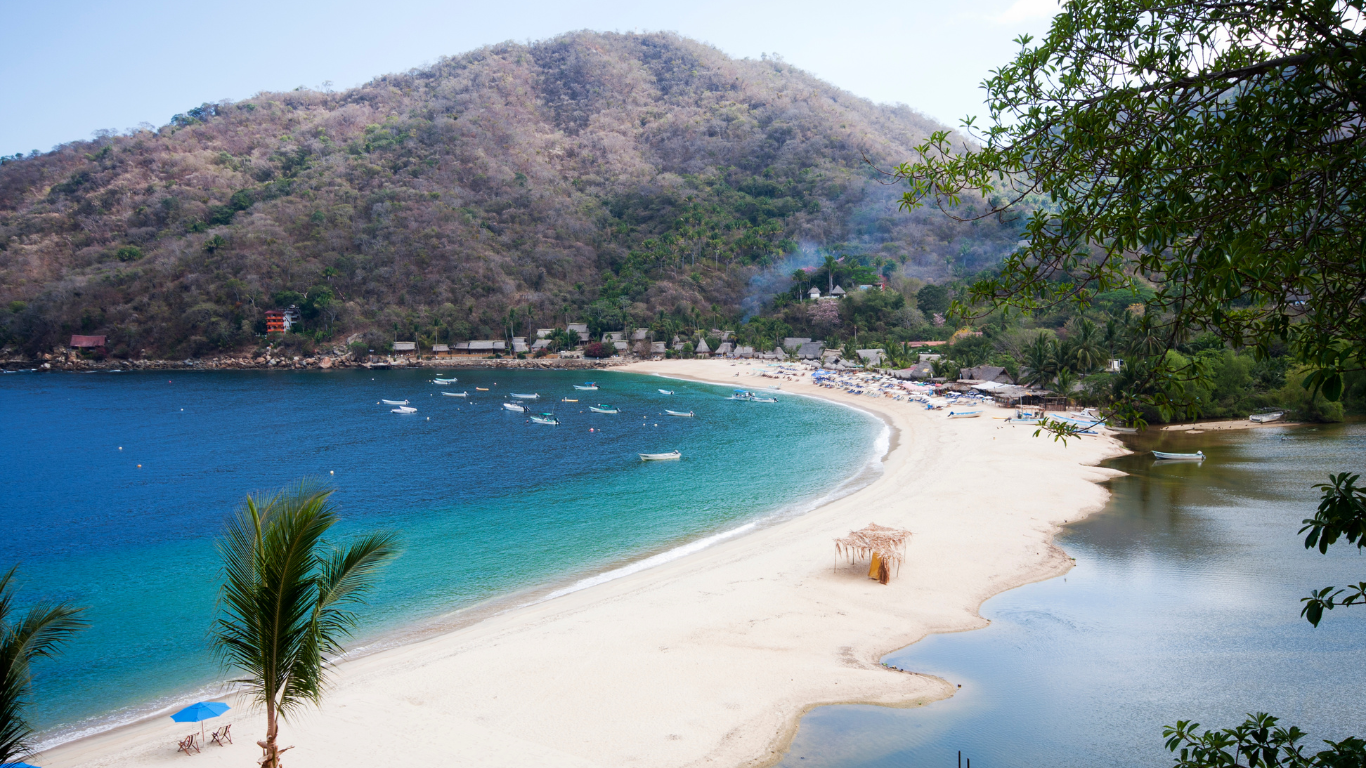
763	399
677	413
661	456
545	418
455	394
532	396
481	389
403	409
591	386
666	391
515	407
443	381
1266	418
600	408
1197	456
394	402
1122	430
964	414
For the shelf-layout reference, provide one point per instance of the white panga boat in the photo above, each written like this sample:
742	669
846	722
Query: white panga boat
661	456
455	394
443	381
1197	456
601	408
666	391
677	413
1266	417
741	394
964	414
545	418
763	399
1121	430
403	409
394	402
515	407
591	386
532	396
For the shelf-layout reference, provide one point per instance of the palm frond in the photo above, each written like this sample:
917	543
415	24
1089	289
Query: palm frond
39	633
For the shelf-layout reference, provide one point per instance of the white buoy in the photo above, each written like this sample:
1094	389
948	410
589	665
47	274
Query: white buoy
330	472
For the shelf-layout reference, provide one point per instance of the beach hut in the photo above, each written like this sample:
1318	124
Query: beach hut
883	547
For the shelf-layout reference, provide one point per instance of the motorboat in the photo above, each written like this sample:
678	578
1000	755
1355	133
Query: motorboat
671	456
394	402
601	408
763	399
1266	417
455	394
545	418
403	409
964	414
741	394
1122	430
678	413
666	391
591	386
515	407
532	396
444	381
1197	456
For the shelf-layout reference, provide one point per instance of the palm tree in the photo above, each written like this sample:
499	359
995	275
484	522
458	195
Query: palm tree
1041	360
285	600
1064	382
39	633
1087	350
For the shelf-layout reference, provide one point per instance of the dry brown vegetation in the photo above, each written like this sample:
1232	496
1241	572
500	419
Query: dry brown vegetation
605	177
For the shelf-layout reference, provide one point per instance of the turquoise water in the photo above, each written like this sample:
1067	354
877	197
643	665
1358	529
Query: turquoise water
489	506
1184	605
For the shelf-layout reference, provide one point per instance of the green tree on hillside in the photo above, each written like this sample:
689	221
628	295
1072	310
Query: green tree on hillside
1209	152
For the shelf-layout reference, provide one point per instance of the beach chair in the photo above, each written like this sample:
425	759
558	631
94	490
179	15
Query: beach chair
221	735
188	744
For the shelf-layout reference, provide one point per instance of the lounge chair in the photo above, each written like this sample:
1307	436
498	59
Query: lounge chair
187	745
221	735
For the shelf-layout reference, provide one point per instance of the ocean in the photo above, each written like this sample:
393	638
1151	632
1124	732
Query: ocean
116	484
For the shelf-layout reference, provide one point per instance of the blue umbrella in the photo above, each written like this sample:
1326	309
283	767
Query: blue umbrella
197	713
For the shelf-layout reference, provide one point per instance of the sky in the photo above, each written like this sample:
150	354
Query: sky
70	68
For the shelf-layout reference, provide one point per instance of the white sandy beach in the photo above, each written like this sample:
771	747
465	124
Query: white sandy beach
710	659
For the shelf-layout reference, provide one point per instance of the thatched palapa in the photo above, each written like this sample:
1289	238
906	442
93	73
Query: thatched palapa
885	547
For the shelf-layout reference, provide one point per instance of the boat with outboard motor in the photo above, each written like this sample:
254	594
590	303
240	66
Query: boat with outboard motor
532	396
394	402
515	407
1163	455
545	418
403	409
678	413
591	386
672	455
602	408
455	394
666	391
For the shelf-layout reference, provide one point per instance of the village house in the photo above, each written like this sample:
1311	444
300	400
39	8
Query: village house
702	350
580	330
441	350
984	373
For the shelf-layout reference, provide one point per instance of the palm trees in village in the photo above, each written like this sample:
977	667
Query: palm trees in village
287	598
37	633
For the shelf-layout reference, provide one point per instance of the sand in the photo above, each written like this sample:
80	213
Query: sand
710	659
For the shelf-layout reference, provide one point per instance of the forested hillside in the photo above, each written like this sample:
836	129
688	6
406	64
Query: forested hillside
615	179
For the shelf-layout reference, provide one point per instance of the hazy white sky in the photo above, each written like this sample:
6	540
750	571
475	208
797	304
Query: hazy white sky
69	68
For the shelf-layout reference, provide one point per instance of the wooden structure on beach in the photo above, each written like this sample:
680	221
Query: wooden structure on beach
883	547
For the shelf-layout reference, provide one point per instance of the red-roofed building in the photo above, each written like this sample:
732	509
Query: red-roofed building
87	342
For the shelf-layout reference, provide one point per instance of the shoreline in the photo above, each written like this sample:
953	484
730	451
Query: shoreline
606	670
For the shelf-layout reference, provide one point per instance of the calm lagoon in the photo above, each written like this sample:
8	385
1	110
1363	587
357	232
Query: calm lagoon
1184	604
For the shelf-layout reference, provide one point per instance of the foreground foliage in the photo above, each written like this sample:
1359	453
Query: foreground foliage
287	597
38	633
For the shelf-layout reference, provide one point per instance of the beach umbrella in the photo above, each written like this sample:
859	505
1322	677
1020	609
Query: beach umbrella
17	765
198	713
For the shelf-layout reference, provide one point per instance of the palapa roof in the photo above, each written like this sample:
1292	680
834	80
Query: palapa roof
887	543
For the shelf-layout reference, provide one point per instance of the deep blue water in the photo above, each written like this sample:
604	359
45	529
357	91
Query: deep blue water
488	505
1184	605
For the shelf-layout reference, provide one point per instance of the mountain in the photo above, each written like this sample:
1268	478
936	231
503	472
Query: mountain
612	178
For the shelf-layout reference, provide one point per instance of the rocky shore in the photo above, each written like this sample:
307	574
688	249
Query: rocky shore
71	362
